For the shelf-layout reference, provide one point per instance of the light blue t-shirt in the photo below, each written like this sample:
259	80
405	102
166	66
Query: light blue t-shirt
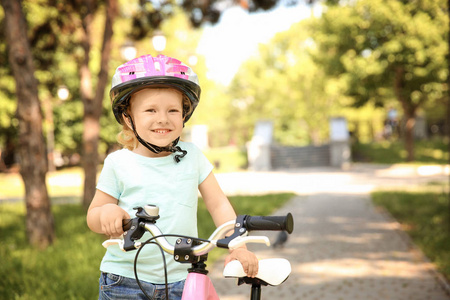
137	180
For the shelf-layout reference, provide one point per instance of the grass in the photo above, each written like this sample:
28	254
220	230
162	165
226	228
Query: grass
432	151
65	270
424	215
227	159
69	268
63	183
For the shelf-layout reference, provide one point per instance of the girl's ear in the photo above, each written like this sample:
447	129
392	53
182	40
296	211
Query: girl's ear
126	119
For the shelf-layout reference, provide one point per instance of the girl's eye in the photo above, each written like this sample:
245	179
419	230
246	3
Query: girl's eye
150	110
174	110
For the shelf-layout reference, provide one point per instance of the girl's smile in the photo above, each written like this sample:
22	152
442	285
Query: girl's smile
161	131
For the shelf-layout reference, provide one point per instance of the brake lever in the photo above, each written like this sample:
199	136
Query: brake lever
112	242
242	240
120	243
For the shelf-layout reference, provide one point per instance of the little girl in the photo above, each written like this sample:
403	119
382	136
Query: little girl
152	98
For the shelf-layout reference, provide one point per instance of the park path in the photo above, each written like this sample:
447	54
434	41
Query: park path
342	246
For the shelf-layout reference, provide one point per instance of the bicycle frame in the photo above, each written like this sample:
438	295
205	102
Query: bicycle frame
199	287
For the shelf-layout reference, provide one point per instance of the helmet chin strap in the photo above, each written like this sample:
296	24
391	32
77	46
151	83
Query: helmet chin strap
173	148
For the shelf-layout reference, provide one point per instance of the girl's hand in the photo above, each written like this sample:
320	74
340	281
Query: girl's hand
111	217
246	258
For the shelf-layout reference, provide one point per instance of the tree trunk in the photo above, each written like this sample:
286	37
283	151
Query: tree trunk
447	121
410	121
93	104
32	152
409	111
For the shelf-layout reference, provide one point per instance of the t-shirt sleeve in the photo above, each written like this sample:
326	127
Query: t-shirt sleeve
204	165
107	181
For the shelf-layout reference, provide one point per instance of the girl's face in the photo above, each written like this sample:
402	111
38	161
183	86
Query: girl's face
158	117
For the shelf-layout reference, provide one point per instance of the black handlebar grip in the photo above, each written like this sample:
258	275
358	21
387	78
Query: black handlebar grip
273	223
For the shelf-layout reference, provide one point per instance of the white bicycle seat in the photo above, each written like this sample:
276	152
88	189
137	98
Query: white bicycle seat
274	271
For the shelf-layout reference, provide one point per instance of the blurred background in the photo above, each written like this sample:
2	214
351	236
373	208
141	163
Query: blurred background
285	84
293	63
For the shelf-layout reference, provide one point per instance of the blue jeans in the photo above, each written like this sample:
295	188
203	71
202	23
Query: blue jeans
118	287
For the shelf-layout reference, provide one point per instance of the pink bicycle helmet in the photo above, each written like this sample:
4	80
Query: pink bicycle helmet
146	71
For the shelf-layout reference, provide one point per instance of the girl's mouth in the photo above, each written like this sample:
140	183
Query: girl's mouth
161	131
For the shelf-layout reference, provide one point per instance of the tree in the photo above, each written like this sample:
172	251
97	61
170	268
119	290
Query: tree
384	50
32	151
51	40
93	103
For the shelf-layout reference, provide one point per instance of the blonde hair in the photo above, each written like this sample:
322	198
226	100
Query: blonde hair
128	139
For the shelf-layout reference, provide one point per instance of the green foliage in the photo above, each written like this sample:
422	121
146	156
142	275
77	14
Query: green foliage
51	36
424	216
375	46
69	268
8	122
68	127
433	151
380	50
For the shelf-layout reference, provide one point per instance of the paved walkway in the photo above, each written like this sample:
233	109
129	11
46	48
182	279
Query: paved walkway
342	247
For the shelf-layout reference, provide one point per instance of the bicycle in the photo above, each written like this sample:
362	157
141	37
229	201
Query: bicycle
198	285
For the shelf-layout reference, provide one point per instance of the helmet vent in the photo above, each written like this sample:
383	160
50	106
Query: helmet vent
157	66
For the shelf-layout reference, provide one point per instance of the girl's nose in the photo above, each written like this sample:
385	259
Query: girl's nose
163	118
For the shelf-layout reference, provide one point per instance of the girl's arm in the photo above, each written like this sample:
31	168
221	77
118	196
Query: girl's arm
221	211
216	202
105	216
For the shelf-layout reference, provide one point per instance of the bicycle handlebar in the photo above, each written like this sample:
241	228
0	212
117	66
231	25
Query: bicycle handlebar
135	228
